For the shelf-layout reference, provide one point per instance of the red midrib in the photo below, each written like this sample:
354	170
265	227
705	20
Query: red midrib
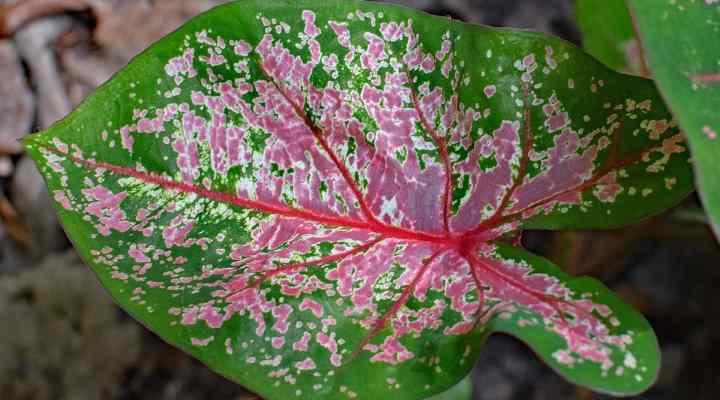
712	78
459	241
386	231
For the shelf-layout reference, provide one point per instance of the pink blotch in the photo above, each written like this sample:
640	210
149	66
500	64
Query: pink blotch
119	275
330	63
302	344
391	31
145	268
608	189
709	132
201	342
342	32
126	139
63	200
428	64
305	365
189	316
557	121
242	48
137	254
490	91
392	352
529	60
327	342
176	233
315	51
211	316
106	208
277	342
563	357
312	305
310	28
336	359
281	314
60	146
142	214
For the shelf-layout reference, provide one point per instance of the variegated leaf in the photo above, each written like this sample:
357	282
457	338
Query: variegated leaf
312	196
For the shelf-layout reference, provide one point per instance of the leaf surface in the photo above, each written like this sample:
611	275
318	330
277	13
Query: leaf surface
608	34
682	52
312	197
461	391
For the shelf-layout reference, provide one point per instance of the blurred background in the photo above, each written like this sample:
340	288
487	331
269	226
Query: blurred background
61	337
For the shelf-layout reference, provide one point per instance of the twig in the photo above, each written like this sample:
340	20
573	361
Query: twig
33	43
644	67
14	16
17	107
14	226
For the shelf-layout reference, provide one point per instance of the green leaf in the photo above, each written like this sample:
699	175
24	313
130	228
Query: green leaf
691	214
461	391
683	56
308	196
608	34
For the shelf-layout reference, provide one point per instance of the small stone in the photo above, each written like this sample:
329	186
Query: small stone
35	207
6	167
673	363
34	43
16	106
159	18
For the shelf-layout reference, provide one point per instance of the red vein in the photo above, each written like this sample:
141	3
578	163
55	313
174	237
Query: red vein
320	137
550	300
636	30
706	78
527	144
481	290
444	155
612	164
580	188
380	324
169	184
304	264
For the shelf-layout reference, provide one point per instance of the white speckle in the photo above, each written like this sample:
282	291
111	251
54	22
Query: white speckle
630	361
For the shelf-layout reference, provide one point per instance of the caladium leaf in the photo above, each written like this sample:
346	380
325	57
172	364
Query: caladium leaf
461	391
685	64
311	196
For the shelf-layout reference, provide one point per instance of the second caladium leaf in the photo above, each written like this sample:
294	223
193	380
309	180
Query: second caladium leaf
313	197
680	39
